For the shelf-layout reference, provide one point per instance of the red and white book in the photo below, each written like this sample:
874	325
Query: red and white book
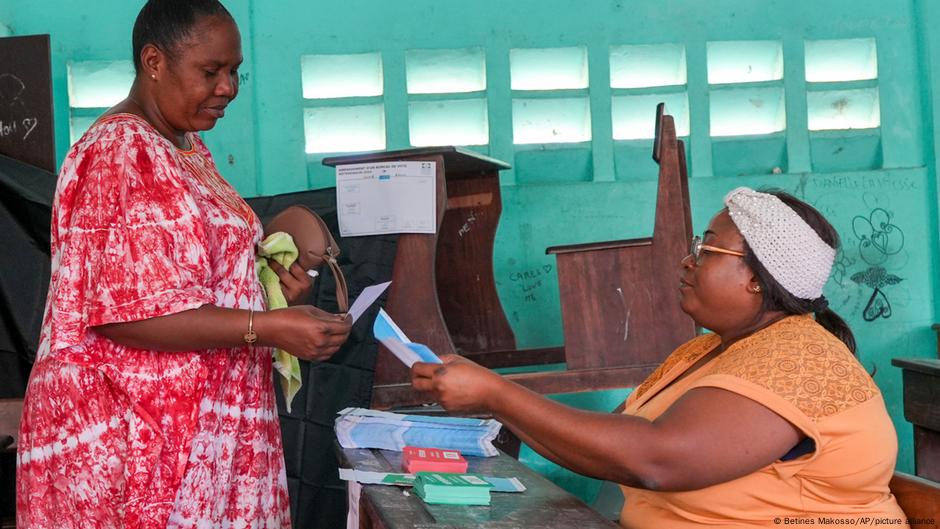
417	459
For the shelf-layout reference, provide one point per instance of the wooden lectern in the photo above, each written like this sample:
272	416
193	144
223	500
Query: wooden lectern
443	291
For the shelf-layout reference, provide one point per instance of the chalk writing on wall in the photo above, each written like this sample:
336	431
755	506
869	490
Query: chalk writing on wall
467	225
16	123
530	281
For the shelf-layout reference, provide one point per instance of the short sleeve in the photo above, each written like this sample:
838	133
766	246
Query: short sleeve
128	240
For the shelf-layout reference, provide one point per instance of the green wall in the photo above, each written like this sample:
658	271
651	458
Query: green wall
605	189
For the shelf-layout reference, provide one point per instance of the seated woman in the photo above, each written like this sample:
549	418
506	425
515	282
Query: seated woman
769	417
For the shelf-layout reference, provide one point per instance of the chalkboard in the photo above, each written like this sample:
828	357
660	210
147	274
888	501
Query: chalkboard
26	128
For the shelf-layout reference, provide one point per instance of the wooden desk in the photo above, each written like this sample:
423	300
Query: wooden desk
922	409
542	505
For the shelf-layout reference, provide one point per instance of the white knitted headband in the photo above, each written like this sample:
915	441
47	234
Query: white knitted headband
783	242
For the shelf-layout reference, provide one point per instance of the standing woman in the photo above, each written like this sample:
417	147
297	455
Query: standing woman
151	403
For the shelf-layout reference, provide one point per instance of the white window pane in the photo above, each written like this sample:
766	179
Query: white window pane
634	117
747	111
565	120
841	60
99	84
331	76
647	65
344	129
445	71
843	109
462	122
548	68
744	61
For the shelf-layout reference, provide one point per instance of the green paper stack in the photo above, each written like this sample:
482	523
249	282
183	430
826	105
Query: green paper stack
452	489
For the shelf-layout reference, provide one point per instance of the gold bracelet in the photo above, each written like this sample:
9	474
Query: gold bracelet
250	336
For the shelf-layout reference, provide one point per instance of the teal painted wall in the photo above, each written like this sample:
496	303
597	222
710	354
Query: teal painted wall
604	189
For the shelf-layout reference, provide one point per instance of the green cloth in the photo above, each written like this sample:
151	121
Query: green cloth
280	247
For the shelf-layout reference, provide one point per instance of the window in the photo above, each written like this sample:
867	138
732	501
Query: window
849	98
447	97
550	103
343	108
750	97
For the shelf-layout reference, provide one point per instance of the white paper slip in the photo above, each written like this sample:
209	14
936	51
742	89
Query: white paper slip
366	299
386	197
395	340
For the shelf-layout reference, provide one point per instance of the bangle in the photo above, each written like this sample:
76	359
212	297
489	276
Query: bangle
251	337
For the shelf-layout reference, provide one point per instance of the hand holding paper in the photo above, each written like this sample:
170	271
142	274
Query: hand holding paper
395	340
367	298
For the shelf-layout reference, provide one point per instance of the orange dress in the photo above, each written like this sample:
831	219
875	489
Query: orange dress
806	375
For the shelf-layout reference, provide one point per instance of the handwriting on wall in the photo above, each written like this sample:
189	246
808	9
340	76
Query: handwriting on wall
467	224
16	123
529	281
867	182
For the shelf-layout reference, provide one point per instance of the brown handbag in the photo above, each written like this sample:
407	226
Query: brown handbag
315	244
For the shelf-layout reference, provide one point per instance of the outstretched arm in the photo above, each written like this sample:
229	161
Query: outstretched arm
708	436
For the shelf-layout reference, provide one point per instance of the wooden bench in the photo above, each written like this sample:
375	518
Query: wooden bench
919	498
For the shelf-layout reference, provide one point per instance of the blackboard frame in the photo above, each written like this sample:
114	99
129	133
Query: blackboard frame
27	128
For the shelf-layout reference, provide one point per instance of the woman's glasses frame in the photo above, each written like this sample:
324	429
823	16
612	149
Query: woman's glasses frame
697	249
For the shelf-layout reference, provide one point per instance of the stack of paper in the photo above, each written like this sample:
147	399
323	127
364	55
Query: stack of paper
415	459
452	489
362	428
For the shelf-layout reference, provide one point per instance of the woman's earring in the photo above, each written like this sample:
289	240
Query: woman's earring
756	289
153	76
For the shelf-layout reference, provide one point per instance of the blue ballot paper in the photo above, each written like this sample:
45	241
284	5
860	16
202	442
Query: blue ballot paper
394	339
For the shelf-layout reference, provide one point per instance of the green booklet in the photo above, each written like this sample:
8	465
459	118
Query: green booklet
452	489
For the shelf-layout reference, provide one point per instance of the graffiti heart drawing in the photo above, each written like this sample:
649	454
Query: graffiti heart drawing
876	278
878	238
878	307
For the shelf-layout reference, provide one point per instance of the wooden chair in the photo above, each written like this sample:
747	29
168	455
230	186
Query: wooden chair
619	300
919	498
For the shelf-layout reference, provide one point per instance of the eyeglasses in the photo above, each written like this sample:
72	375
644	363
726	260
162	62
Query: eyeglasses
697	249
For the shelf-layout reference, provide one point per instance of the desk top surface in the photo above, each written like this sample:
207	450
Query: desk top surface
930	366
543	505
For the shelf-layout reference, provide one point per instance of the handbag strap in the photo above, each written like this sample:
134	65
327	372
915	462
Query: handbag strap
342	294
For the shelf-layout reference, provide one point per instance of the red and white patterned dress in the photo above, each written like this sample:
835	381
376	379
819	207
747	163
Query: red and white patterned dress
113	436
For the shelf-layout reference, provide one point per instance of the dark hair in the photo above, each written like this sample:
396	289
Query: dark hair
166	23
777	298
